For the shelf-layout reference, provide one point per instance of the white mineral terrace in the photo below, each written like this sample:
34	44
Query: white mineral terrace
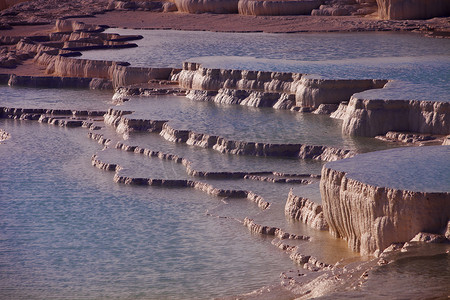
214	161
375	199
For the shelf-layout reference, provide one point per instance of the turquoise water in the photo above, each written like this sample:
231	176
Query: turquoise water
407	57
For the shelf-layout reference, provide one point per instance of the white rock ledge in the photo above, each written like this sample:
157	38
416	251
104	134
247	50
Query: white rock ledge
306	211
306	90
372	117
373	216
273	8
207	6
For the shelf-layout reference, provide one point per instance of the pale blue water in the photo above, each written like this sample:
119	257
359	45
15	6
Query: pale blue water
78	99
68	231
401	56
243	123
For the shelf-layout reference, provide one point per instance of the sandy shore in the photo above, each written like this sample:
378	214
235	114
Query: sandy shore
219	23
270	24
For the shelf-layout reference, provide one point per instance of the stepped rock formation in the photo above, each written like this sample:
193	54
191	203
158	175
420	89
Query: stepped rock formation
346	8
372	117
183	183
412	9
268	230
306	211
373	217
277	7
55	52
308	91
124	122
207	6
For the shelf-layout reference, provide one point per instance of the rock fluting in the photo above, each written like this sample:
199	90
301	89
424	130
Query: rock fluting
274	8
56	51
372	117
412	9
273	86
306	211
207	6
371	217
58	82
308	262
273	177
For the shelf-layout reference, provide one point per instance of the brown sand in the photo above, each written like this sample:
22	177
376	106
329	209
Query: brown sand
272	24
224	23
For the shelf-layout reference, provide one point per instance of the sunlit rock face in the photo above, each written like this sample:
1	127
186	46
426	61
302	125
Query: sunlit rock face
273	8
364	205
207	6
372	117
306	211
309	91
412	9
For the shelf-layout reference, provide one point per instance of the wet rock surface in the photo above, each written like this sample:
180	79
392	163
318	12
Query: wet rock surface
275	8
306	211
124	123
268	89
372	117
418	9
55	51
371	216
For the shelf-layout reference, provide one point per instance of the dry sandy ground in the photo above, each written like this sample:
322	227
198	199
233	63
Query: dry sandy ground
214	22
273	24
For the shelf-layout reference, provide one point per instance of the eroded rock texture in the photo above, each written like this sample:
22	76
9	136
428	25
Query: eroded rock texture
124	122
207	6
412	9
240	86
371	218
273	8
306	211
377	117
56	51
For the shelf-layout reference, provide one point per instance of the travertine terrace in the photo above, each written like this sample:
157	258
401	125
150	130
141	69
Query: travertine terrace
375	201
373	211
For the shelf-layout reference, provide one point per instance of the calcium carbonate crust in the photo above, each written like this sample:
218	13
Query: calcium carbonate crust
370	218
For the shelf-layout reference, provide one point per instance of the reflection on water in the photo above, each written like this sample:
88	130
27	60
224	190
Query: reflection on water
424	169
67	231
401	56
422	274
76	99
250	124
